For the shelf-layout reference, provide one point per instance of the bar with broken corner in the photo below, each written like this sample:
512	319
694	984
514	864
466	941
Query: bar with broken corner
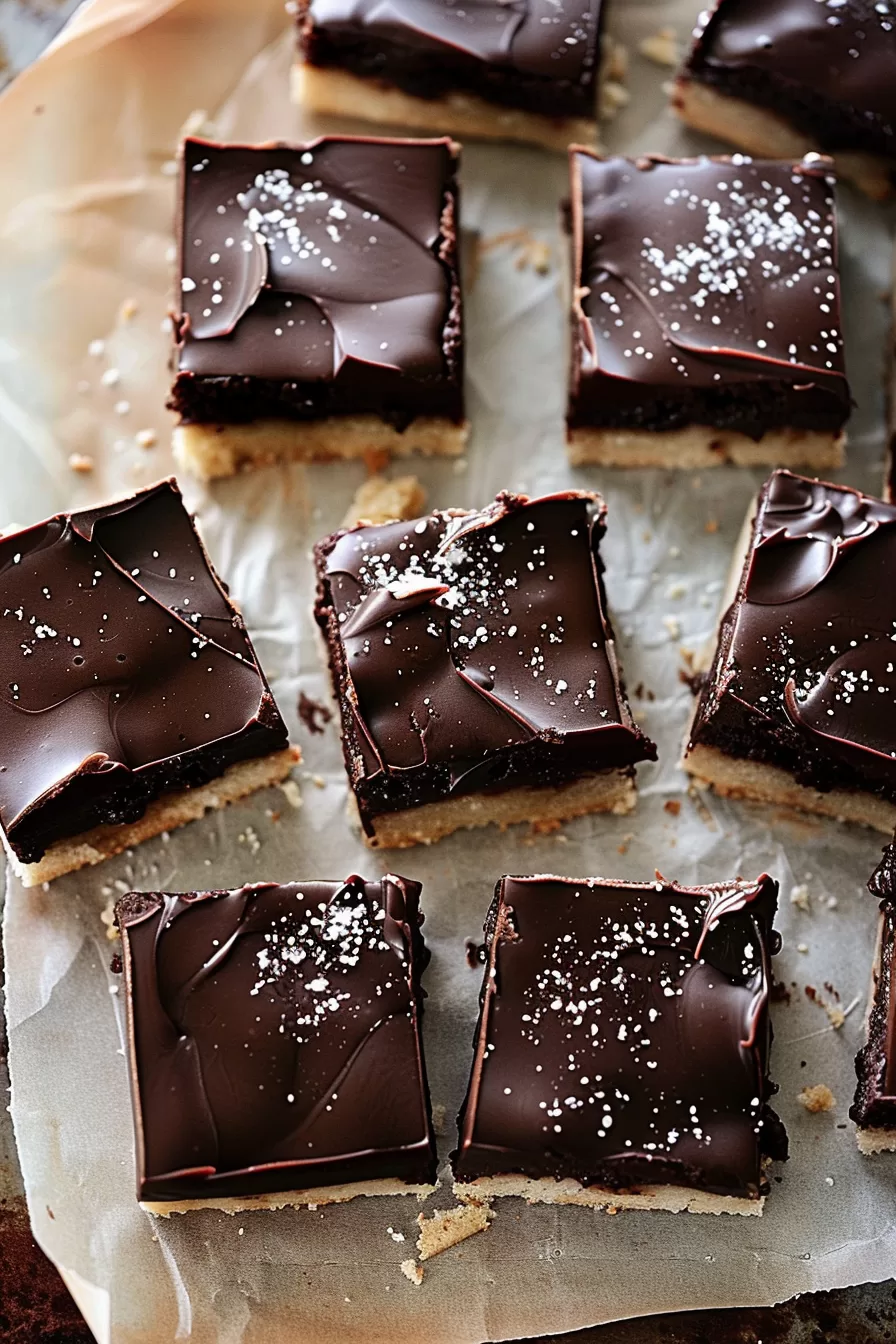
319	307
621	1055
779	78
874	1105
705	314
475	669
273	1037
132	700
799	705
493	71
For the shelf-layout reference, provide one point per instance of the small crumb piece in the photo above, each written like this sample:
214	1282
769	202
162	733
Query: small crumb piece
622	848
380	501
711	526
411	1270
661	47
832	902
396	1236
676	590
829	1180
107	915
613	96
799	897
615	59
293	793
128	310
545	826
447	1227
80	462
817	1098
802	947
672	806
146	438
673	626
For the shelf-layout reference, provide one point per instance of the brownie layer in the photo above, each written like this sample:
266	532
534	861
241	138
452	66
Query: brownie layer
318	280
874	1106
827	70
285	1021
541	56
125	670
803	676
705	292
624	1037
472	652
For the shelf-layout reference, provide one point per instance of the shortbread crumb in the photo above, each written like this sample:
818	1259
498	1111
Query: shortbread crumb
817	1098
446	1227
411	1270
661	47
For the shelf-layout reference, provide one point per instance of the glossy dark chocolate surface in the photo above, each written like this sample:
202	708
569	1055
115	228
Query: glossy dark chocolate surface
875	1100
624	1036
274	1038
709	295
827	68
471	651
318	279
538	55
805	673
125	670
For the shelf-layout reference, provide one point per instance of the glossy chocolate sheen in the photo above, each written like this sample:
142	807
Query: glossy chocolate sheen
125	670
706	293
472	651
538	55
624	1036
318	279
827	68
805	674
274	1037
875	1100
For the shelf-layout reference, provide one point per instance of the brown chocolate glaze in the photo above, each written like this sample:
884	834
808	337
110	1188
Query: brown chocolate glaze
804	675
318	279
274	1037
706	292
624	1036
874	1105
472	651
125	670
827	68
538	55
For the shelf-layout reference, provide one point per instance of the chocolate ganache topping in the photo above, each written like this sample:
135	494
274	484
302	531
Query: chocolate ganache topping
624	1036
875	1100
826	66
285	1022
540	55
706	292
125	671
317	279
472	651
805	676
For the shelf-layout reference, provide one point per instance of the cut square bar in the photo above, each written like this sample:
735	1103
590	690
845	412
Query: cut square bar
475	669
779	78
705	314
274	1044
799	706
621	1056
319	305
874	1107
131	699
493	71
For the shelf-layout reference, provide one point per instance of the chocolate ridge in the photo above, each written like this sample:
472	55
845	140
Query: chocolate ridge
874	1104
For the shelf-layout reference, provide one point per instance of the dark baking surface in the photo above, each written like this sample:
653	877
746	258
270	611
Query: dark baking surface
790	55
318	279
538	55
671	329
497	616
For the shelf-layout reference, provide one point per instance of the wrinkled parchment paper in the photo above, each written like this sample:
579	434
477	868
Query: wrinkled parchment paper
86	191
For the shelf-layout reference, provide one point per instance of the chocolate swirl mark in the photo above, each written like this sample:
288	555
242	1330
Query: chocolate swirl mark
850	706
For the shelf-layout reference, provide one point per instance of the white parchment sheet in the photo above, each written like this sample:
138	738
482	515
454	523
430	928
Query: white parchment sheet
86	192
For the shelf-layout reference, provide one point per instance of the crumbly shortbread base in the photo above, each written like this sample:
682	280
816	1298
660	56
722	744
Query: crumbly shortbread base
669	1198
871	1141
610	791
702	446
763	783
162	814
379	501
336	93
210	451
766	135
295	1199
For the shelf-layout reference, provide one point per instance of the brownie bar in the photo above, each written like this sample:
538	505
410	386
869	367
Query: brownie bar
126	674
823	73
540	60
319	287
284	1021
475	668
874	1107
706	312
800	704
621	1055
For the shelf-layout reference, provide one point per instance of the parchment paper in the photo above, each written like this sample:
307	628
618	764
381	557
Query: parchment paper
86	194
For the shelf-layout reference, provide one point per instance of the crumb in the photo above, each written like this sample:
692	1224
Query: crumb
128	310
626	841
318	781
545	826
661	47
380	500
835	1014
396	1236
613	96
799	897
832	902
672	806
146	438
803	948
711	526
107	915
314	714
817	1098
80	462
411	1270
438	1118
611	1210
292	792
673	625
829	1180
446	1227
676	590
